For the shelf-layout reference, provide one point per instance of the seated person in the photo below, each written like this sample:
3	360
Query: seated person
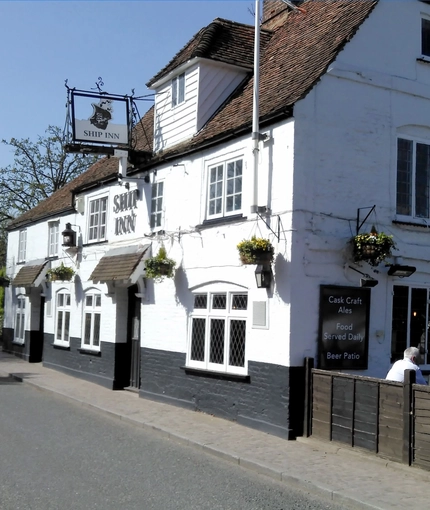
409	362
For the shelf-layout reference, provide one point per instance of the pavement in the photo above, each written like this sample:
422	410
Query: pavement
346	476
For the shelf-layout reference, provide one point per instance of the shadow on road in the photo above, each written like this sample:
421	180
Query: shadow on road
9	380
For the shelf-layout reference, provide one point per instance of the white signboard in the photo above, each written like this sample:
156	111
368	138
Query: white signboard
100	118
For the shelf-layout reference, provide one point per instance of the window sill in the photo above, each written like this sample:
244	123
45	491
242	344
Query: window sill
61	347
221	221
94	243
17	342
90	352
424	60
412	223
199	372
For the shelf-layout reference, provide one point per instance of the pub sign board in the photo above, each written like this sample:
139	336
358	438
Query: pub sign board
100	118
343	341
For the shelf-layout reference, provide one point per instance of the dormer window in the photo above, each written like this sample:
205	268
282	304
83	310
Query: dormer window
178	90
425	37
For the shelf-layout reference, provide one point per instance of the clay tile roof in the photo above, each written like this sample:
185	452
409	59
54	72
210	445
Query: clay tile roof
295	53
28	274
119	266
223	41
298	54
62	200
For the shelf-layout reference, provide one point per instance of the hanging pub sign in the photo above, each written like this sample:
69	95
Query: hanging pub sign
344	327
100	118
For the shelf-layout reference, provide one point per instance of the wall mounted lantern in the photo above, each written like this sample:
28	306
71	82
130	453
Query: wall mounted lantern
263	276
69	236
367	280
401	271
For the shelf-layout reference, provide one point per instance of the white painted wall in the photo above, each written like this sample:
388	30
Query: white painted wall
216	82
345	159
207	85
175	124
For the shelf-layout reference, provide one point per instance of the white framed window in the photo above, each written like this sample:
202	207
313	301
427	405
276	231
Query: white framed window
425	37
92	320
413	178
217	333
20	320
157	204
53	238
225	189
97	220
62	323
178	90
22	245
411	322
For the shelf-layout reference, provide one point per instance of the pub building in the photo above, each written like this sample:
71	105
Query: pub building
326	157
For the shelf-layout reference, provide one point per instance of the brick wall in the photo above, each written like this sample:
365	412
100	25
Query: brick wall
259	401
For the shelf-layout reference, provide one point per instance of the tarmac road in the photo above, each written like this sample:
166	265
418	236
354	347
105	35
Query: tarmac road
55	454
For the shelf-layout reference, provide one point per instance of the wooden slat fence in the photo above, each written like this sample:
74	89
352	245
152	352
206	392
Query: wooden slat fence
421	432
359	411
388	418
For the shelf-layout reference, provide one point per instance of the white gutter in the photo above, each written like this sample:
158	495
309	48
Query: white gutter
255	109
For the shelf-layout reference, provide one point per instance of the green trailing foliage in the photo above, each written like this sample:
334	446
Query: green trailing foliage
251	250
372	247
160	266
60	273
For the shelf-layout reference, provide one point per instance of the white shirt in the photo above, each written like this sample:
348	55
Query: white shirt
397	372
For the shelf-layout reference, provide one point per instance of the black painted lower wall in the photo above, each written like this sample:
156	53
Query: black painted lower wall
271	399
101	368
30	350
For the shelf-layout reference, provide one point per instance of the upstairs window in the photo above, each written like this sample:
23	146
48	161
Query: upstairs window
157	204
425	37
22	245
178	90
20	320
97	219
62	329
218	332
53	236
92	320
225	189
413	178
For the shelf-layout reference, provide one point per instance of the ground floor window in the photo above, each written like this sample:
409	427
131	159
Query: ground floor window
411	321
62	326
92	320
20	320
218	332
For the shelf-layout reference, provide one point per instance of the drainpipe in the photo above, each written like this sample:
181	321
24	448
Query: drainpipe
255	109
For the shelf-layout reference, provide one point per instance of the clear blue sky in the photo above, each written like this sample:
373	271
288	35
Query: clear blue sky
43	43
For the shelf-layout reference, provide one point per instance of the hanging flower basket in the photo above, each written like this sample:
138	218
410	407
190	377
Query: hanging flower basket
256	250
61	273
160	266
372	247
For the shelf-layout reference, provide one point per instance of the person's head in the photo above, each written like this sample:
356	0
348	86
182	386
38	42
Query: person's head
413	353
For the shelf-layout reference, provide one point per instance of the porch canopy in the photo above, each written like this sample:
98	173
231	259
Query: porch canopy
32	274
123	264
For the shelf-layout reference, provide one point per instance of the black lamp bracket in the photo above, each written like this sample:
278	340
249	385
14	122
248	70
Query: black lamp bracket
362	274
359	225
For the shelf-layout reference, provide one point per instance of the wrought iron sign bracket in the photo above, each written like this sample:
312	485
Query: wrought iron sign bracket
359	225
277	235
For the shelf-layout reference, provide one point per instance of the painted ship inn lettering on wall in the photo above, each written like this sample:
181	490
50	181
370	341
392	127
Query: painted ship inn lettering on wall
125	202
344	326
